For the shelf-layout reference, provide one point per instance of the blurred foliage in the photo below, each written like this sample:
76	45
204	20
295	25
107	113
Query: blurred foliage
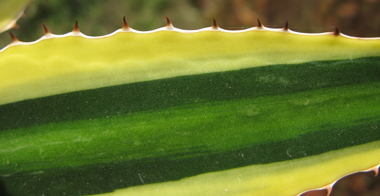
98	17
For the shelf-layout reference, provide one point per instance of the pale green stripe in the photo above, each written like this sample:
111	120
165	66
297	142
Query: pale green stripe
75	63
276	179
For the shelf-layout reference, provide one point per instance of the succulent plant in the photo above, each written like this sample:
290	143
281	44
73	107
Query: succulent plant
259	111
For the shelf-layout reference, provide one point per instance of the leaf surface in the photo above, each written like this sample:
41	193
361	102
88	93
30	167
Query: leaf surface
10	12
214	112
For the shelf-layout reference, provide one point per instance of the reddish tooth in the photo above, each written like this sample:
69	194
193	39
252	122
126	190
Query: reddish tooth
15	25
336	32
286	27
76	27
46	30
259	24
214	25
125	24
168	23
14	39
329	189
376	170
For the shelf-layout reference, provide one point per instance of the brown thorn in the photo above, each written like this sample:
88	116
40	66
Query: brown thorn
23	15
259	24
15	25
125	24
46	30
168	23
76	27
336	32
329	189
14	39
286	27
214	24
376	170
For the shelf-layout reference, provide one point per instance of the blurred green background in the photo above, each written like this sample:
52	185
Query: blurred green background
359	18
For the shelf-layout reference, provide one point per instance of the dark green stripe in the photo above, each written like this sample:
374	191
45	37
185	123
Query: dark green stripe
186	131
152	95
106	177
342	131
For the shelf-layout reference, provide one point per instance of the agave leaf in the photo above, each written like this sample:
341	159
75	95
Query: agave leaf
10	12
253	112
